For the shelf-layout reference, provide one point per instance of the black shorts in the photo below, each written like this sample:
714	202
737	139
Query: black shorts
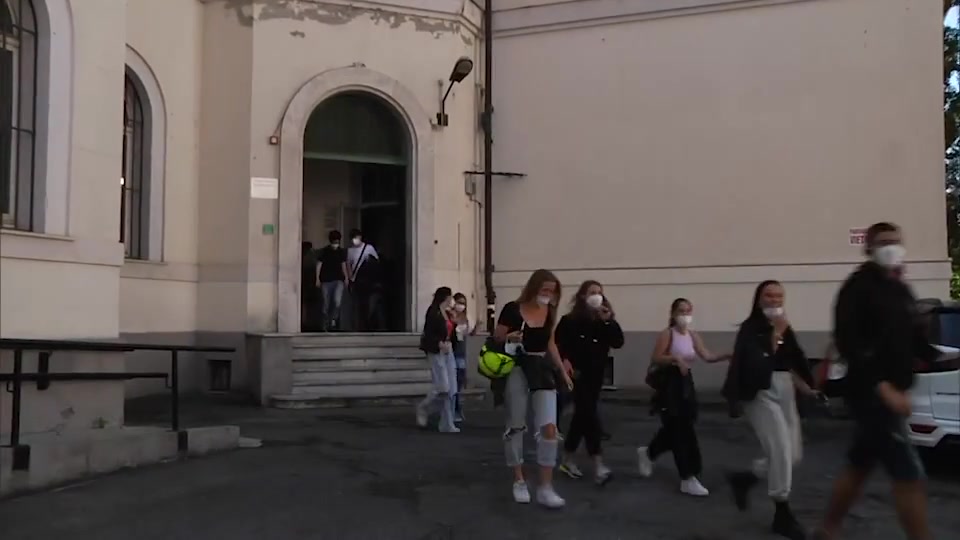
881	438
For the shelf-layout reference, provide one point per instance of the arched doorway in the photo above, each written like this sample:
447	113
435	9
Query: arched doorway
356	158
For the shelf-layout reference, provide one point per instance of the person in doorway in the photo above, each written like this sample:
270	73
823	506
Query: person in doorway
464	328
878	331
767	370
331	278
363	265
677	349
308	287
437	341
525	327
584	338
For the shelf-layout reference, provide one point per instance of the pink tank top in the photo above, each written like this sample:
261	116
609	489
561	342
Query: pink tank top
681	346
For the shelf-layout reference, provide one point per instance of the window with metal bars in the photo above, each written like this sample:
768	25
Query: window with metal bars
134	225
18	113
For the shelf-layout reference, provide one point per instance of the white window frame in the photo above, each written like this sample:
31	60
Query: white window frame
153	182
12	46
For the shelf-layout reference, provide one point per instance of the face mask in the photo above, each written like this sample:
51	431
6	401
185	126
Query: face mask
684	321
773	312
461	307
543	300
335	245
356	241
890	256
595	301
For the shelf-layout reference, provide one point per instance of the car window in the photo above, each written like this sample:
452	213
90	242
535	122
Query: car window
949	330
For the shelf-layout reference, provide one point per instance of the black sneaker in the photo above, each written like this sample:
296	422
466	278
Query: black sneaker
740	484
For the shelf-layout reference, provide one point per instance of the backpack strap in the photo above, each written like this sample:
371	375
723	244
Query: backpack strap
363	251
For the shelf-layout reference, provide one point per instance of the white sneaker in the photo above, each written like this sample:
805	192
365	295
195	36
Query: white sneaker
570	469
692	486
421	417
549	498
644	464
520	493
602	475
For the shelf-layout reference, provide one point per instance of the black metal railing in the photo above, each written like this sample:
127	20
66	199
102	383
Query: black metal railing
44	377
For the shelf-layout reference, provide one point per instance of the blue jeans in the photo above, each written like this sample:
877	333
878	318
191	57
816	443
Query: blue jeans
443	394
332	298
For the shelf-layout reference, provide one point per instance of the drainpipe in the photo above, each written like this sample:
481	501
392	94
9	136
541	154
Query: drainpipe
488	164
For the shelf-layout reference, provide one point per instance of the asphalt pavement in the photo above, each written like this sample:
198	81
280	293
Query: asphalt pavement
369	474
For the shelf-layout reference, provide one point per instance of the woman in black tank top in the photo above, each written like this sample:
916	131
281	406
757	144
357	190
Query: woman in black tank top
526	328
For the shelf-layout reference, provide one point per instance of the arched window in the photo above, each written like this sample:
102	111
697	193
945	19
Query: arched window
134	223
18	113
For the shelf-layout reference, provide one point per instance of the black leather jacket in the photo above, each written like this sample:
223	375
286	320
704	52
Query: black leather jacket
752	365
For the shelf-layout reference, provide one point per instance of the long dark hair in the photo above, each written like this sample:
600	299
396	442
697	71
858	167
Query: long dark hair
441	295
532	288
674	306
578	304
756	312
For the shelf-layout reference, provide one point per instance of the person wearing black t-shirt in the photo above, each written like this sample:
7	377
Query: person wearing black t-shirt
331	277
879	333
526	328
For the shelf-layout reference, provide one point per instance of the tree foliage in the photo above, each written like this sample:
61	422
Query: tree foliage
951	129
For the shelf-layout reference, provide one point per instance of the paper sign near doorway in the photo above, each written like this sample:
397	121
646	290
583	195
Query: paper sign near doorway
264	188
858	236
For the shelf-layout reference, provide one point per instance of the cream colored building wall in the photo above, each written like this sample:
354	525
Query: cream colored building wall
696	151
158	297
416	45
62	281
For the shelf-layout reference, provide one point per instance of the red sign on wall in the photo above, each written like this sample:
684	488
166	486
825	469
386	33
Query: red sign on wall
858	236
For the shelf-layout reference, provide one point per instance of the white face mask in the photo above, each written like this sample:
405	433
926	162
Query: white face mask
461	307
335	245
773	312
544	300
890	256
595	301
684	321
356	241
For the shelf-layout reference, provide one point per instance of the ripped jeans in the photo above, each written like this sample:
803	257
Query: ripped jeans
518	396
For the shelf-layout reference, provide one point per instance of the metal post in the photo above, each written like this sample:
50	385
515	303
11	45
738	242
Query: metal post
491	295
174	391
15	419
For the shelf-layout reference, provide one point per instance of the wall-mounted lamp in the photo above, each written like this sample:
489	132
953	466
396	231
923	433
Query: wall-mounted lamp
461	69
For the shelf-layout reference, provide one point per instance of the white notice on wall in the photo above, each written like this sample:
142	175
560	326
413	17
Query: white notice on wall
264	188
857	236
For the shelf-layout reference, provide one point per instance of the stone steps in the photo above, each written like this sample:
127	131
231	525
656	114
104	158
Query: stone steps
401	395
342	369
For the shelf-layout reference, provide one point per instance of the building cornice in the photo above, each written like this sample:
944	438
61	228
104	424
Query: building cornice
462	12
538	18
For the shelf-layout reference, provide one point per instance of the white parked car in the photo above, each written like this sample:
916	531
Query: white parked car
935	422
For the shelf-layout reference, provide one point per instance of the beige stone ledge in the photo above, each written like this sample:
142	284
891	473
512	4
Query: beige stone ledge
52	248
521	17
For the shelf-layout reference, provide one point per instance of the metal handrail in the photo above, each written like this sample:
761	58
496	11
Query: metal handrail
46	348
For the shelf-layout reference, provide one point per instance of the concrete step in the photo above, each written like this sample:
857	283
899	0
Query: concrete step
364	389
358	352
360	364
353	340
324	377
318	401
